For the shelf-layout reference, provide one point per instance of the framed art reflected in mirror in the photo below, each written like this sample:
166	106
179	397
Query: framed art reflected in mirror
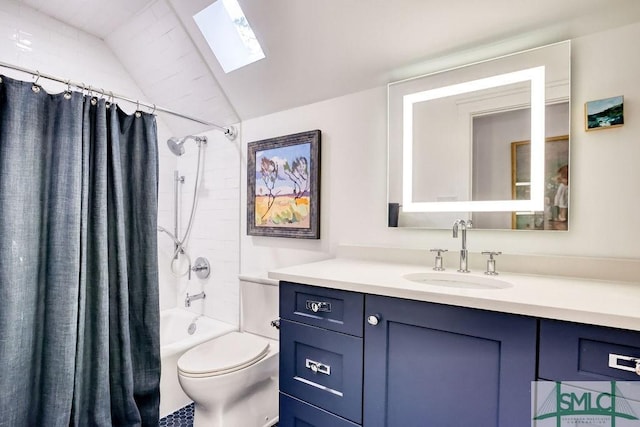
555	215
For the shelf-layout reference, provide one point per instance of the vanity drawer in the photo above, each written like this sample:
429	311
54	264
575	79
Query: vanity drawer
336	310
296	413
578	352
323	368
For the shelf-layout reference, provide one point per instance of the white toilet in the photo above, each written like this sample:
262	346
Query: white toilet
233	379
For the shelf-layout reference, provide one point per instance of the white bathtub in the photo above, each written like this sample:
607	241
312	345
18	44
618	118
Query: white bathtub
174	341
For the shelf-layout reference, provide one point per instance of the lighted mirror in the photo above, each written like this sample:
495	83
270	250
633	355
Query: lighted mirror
487	142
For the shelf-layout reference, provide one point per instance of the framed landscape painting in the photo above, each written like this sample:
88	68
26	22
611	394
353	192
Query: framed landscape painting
283	186
604	113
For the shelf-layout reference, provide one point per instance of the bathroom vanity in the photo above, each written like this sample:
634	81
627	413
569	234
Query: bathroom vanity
361	344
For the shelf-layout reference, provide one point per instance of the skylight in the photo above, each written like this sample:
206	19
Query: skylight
229	34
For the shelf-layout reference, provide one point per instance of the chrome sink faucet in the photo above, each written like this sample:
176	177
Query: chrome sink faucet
463	226
190	298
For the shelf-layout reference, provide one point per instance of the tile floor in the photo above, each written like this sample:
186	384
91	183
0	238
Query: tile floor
181	418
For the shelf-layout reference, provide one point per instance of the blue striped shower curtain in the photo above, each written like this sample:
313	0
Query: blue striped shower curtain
79	313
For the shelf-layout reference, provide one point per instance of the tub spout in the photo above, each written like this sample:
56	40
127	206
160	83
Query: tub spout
189	298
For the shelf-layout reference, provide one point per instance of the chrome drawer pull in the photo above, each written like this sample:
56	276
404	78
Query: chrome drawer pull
614	363
317	306
317	367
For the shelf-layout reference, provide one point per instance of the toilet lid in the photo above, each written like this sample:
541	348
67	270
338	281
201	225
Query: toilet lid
222	355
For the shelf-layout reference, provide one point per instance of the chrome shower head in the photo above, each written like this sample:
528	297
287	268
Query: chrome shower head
176	145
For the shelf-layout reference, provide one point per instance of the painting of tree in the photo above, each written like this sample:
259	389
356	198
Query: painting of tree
283	186
269	174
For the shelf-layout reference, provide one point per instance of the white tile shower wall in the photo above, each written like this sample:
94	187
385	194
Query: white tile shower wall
216	223
55	48
167	164
67	52
604	172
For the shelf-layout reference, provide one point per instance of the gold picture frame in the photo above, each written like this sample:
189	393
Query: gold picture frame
555	213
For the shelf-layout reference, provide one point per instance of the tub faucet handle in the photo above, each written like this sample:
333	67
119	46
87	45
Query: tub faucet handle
202	268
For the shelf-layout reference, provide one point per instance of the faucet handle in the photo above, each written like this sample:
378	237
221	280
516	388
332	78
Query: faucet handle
491	263
438	261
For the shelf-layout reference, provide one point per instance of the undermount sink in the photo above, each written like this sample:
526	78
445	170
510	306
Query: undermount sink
457	280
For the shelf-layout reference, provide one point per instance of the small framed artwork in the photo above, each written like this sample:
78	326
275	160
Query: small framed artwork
604	113
283	186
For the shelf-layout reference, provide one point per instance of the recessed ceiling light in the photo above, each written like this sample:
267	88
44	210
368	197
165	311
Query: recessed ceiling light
229	34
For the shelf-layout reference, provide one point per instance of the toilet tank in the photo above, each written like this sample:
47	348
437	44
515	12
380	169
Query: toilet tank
259	305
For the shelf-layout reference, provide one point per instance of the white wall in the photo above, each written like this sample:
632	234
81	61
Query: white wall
66	52
353	177
605	176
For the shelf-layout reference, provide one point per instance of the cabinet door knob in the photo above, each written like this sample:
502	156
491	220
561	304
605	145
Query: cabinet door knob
374	319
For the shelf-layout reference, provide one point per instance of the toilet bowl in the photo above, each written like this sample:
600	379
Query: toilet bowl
233	380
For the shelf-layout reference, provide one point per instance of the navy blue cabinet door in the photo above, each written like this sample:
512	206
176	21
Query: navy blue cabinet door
436	365
323	368
577	352
296	413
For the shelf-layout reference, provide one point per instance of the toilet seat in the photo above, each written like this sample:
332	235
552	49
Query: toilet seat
223	355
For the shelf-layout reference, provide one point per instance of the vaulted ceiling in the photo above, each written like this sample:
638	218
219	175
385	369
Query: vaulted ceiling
317	49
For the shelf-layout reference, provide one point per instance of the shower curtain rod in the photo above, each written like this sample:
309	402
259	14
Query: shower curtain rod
230	131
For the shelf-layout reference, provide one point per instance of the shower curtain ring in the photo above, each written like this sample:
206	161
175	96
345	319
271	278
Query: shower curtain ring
36	88
138	113
94	100
154	109
67	94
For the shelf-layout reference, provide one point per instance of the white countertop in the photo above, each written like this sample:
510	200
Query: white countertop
597	302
